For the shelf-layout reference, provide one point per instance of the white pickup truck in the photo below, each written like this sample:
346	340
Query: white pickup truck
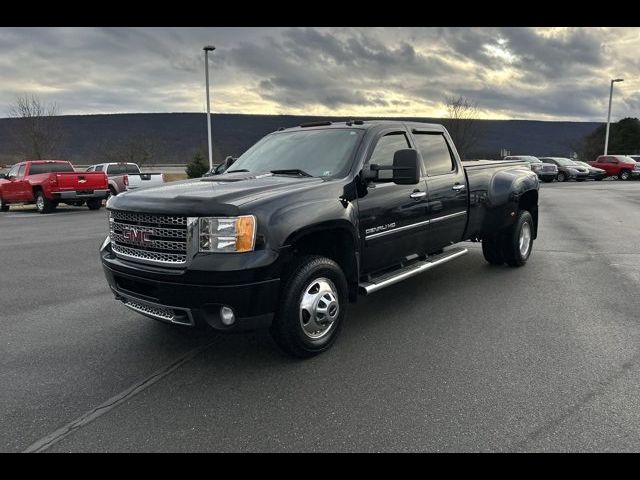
127	176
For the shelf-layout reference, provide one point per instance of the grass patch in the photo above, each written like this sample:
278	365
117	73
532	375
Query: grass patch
174	177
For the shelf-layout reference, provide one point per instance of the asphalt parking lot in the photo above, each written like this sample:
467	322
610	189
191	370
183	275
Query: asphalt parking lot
466	357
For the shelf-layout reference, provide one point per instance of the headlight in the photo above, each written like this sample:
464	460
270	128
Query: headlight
227	234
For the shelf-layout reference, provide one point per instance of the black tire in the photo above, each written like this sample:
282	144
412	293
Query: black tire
287	328
94	203
561	177
112	191
513	254
4	207
492	249
624	175
43	204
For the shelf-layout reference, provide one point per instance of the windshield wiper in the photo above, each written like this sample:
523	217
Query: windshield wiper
237	171
291	171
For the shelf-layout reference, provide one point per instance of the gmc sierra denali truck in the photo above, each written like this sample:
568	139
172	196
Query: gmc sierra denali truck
305	221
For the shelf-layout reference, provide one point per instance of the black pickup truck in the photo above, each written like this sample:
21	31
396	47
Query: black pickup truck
305	221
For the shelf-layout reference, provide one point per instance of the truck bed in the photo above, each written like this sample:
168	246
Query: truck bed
493	191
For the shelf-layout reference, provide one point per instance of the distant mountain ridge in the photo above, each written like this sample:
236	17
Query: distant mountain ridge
177	136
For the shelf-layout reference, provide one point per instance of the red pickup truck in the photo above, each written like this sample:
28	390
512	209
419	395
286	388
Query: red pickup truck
49	182
619	166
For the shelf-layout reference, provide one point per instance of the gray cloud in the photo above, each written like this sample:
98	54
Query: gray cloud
509	72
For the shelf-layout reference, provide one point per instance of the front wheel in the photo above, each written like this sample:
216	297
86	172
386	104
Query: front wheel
4	207
624	175
561	177
312	307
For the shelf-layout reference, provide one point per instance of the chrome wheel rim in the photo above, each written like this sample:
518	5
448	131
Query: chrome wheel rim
319	308
40	203
624	175
525	239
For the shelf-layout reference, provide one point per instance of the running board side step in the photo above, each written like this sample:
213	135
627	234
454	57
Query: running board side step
384	280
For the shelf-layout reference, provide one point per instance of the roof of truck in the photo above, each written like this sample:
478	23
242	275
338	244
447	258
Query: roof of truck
365	124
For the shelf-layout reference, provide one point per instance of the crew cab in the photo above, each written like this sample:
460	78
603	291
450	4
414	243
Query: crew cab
309	219
50	182
621	166
126	176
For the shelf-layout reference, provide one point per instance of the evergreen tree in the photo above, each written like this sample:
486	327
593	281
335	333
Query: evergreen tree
197	167
624	139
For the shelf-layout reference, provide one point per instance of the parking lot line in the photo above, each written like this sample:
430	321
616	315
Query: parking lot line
49	440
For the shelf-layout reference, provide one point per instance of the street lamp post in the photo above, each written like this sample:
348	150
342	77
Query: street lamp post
606	138
207	49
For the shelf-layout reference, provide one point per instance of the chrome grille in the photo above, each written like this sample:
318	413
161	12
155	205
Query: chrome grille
149	238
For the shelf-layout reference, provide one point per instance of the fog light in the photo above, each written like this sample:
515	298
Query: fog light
227	316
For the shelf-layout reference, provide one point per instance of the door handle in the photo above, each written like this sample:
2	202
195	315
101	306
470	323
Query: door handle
458	187
418	195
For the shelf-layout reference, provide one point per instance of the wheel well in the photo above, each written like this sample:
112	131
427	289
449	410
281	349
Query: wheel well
529	202
338	245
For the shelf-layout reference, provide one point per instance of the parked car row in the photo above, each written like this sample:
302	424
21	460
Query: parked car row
547	172
548	169
47	183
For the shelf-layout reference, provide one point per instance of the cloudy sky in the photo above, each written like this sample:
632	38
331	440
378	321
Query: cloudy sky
512	73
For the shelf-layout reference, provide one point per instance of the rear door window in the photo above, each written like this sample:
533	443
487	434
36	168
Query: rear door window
436	156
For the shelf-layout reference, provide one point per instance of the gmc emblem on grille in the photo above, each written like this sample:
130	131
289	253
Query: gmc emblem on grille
134	235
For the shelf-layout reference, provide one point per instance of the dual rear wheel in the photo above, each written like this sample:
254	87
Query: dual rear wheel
512	246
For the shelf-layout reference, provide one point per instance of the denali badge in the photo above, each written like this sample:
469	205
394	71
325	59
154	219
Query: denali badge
380	228
134	235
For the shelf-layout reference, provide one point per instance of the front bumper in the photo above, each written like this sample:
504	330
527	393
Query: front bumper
547	175
79	194
163	297
596	175
577	175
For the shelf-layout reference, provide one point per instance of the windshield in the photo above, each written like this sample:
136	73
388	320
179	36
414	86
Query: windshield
320	153
37	168
565	162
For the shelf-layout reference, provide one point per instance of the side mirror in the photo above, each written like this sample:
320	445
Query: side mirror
405	168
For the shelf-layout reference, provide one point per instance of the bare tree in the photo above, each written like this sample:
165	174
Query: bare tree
462	124
140	149
38	132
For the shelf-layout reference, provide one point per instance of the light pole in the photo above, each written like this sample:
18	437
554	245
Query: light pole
207	49
606	138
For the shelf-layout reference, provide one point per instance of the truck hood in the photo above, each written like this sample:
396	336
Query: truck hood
216	195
